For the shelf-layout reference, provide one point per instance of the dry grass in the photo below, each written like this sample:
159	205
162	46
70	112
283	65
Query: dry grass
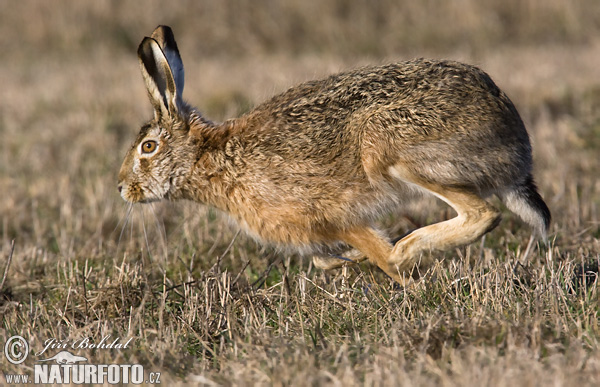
205	307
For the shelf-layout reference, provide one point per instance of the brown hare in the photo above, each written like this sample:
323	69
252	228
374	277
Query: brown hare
315	166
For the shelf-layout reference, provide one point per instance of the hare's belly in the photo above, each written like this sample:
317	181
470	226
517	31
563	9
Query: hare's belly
308	222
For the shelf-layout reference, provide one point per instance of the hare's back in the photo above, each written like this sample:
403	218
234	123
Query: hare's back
422	110
436	89
413	101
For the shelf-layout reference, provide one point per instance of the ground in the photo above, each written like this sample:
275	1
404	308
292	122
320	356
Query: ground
205	304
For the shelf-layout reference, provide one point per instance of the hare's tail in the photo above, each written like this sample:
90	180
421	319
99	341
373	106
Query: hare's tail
525	201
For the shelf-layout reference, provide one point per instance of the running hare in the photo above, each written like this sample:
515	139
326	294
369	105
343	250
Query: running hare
313	167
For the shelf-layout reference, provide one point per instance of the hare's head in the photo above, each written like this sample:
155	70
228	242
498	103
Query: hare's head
156	163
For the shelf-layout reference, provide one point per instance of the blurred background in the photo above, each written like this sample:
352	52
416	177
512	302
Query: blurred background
72	100
72	97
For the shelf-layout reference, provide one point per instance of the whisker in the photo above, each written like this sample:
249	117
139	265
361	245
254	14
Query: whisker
131	230
162	232
145	234
125	220
121	219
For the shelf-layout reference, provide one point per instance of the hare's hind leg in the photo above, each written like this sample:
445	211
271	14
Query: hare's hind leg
475	217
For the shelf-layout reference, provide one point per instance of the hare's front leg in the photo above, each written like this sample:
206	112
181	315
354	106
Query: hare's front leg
376	247
326	261
330	262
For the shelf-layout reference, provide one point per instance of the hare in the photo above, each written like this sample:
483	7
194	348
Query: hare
315	166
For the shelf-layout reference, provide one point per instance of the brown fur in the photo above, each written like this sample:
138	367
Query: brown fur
313	167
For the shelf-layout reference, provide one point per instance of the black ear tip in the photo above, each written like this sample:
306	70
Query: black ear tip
144	47
164	28
163	31
163	35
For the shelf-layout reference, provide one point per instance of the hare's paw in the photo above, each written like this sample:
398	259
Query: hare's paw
327	263
334	261
409	254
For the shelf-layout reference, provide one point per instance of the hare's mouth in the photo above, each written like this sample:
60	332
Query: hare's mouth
135	193
140	199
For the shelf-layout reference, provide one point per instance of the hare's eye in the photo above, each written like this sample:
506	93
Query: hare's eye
149	146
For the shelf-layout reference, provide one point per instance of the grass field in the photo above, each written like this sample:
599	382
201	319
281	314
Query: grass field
208	306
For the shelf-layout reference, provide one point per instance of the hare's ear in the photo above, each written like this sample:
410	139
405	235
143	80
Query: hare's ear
165	38
163	71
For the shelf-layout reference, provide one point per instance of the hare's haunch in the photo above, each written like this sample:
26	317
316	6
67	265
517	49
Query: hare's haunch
313	167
